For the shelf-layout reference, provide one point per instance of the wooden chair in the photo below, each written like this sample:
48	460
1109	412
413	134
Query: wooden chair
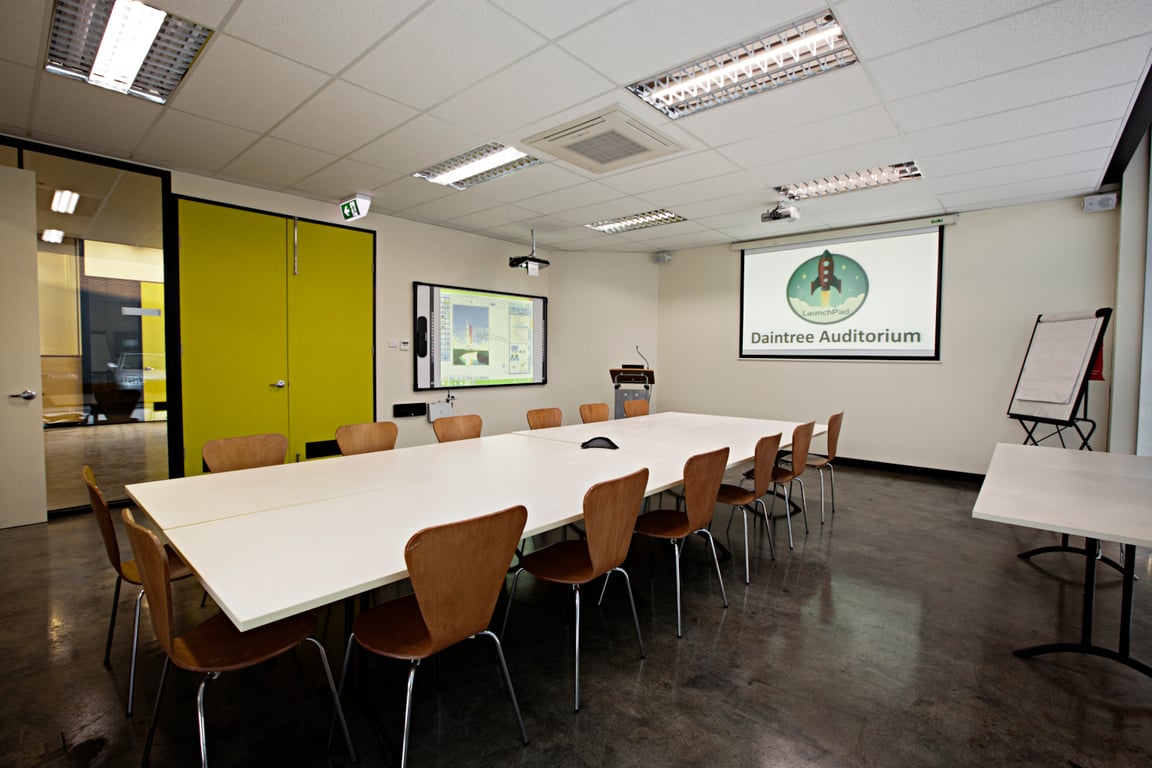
214	645
784	476
635	408
703	474
126	570
368	437
592	412
763	462
543	418
464	427
819	463
245	452
457	572
610	511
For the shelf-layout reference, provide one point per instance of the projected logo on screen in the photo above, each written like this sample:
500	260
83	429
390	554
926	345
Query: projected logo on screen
827	288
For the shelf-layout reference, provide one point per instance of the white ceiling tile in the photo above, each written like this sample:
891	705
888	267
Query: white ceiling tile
453	206
274	163
236	83
447	47
1085	109
737	183
23	33
344	178
341	118
16	106
499	216
1022	192
820	98
1017	41
407	192
859	157
570	197
1099	136
555	19
324	34
671	172
646	37
533	182
515	96
113	122
419	143
1079	162
1067	76
718	207
880	27
191	142
603	211
208	13
812	139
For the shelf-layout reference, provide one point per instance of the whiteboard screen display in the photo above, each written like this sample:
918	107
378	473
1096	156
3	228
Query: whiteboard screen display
874	297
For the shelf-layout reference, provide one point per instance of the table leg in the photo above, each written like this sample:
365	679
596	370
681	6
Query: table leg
1085	645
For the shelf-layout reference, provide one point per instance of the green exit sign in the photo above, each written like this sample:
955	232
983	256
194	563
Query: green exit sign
355	207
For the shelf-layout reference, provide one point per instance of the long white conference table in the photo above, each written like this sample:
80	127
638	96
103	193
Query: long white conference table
276	541
1100	496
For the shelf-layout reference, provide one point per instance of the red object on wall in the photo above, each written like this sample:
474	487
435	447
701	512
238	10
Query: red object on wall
1096	370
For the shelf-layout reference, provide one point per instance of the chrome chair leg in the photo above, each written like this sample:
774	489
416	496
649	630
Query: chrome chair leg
803	504
508	682
676	559
155	711
112	621
135	643
576	594
832	486
335	697
716	560
767	527
408	712
632	602
511	594
200	718
747	570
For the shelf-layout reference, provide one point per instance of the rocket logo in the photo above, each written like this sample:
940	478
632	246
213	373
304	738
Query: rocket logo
827	288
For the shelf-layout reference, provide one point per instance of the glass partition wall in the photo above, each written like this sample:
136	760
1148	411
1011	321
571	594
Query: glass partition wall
102	320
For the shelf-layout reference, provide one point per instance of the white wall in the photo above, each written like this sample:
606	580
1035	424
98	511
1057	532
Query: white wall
1001	269
600	307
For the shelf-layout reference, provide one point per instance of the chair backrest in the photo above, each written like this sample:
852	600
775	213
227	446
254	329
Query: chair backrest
152	562
703	474
366	438
245	452
764	461
591	412
834	433
542	418
635	408
463	427
610	512
103	519
801	442
458	570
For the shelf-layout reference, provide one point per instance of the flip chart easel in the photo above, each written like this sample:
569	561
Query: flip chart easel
1053	380
1053	385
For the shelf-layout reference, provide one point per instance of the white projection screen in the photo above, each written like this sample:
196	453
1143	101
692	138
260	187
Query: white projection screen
874	297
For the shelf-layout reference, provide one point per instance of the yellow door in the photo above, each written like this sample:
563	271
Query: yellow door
330	334
233	317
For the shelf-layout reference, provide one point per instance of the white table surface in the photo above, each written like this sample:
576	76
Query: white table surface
271	542
1099	495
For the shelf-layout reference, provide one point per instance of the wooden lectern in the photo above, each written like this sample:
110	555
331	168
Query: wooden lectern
631	384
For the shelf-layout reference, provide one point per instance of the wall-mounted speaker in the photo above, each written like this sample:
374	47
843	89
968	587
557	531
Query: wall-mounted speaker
662	258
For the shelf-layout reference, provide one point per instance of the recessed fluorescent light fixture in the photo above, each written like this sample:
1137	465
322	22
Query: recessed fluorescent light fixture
807	48
850	182
64	201
124	46
52	236
484	163
636	221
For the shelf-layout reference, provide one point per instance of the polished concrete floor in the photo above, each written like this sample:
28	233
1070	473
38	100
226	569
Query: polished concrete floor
884	639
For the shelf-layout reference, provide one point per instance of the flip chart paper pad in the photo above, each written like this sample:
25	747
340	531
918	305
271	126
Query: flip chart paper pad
1060	350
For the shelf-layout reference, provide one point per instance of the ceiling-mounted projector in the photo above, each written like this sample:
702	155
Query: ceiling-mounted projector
783	210
531	262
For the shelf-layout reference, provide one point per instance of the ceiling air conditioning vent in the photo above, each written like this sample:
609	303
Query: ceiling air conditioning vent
604	141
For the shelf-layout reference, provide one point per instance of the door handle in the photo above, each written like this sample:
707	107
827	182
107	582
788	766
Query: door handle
25	395
279	384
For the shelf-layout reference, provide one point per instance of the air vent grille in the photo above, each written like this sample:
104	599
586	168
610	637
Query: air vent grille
604	141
